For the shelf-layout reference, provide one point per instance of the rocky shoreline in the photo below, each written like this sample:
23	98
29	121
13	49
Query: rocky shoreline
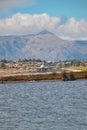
64	76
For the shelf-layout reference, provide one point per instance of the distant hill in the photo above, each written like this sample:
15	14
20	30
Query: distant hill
44	45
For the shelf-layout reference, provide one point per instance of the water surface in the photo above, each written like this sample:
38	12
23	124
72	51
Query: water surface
44	106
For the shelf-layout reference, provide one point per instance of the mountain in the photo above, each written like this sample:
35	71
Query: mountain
44	45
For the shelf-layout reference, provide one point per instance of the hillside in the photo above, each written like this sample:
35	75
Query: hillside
44	45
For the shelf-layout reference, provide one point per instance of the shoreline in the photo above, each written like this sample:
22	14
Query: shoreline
37	77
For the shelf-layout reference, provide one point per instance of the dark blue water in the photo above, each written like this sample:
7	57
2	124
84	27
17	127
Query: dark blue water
44	106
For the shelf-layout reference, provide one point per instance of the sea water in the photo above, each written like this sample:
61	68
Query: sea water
44	105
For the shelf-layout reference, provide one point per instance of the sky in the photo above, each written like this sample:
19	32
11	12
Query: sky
65	18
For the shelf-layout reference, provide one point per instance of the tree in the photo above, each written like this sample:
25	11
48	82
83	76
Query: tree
3	66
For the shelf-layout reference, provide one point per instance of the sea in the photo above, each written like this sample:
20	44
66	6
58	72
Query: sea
59	105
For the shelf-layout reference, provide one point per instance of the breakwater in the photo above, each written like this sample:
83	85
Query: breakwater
65	76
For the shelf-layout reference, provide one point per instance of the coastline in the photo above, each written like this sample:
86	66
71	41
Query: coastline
36	77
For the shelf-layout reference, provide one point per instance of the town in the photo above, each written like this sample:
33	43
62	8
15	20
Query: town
33	65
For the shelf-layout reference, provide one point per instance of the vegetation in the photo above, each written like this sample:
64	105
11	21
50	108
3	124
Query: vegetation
8	71
82	68
21	67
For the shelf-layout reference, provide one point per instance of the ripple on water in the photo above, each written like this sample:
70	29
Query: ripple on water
44	106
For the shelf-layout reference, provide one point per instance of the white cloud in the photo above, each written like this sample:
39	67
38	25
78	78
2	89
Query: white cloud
27	24
73	30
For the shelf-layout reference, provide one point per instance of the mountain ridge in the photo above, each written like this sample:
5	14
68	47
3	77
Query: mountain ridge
44	45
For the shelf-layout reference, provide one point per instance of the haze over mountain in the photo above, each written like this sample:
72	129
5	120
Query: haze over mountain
44	45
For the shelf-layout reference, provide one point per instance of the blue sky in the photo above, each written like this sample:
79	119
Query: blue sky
60	8
68	8
65	18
